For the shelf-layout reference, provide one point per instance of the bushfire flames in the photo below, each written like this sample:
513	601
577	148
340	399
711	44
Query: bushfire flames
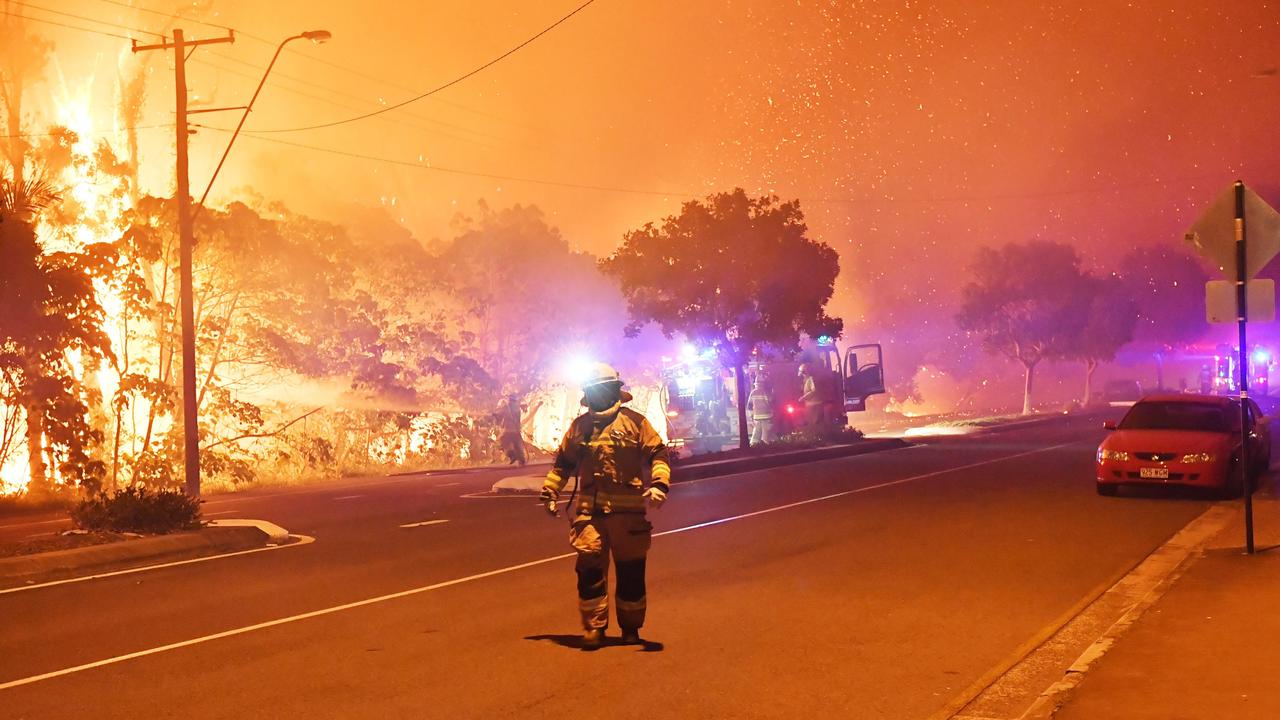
101	204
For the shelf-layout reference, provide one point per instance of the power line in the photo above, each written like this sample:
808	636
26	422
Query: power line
275	74
457	171
686	194
168	15
299	53
64	25
87	19
447	85
335	103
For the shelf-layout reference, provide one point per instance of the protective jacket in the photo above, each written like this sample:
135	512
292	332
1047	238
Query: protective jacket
610	451
760	404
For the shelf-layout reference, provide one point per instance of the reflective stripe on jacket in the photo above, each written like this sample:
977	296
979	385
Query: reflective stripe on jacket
760	404
610	451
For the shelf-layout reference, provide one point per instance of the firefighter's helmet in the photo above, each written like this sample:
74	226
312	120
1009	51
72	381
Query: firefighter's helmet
601	373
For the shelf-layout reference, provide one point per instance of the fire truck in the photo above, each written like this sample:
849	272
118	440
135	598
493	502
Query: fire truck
701	396
1222	377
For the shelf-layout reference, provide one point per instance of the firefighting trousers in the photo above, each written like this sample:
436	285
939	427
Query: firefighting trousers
625	537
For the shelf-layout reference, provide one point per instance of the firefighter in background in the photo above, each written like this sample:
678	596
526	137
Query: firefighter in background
511	440
760	405
609	447
810	397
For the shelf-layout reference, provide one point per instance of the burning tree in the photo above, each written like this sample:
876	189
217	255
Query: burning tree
1028	302
22	59
51	310
732	273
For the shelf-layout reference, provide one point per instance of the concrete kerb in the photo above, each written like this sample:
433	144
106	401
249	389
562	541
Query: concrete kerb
276	535
209	540
530	484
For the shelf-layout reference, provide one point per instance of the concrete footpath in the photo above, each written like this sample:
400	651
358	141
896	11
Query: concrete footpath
1208	649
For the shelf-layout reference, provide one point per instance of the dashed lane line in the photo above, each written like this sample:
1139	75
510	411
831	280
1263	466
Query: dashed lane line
423	523
481	576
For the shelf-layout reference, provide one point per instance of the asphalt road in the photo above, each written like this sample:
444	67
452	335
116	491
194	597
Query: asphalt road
877	586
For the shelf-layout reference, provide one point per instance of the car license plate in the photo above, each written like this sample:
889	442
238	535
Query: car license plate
1154	473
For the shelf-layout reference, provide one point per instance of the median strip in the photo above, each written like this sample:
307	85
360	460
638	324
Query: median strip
296	541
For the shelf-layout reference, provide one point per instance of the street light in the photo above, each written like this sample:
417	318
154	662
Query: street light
315	36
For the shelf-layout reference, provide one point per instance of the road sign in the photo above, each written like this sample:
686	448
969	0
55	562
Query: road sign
1220	301
1213	235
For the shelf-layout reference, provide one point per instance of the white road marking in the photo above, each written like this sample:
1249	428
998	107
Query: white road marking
855	491
426	522
278	621
302	540
28	524
348	497
220	512
448	484
479	576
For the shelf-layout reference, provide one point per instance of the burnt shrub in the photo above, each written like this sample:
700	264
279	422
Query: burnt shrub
138	510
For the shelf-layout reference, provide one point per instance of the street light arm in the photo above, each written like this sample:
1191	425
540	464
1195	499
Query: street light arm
248	108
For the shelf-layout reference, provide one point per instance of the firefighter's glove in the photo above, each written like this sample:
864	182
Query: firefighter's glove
655	496
548	499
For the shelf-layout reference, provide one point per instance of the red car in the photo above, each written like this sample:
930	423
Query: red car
1189	440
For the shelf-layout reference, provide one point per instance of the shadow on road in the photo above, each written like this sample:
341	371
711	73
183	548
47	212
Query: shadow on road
575	642
1169	492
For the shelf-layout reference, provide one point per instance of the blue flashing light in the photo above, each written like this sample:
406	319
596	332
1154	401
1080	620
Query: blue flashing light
825	340
1261	356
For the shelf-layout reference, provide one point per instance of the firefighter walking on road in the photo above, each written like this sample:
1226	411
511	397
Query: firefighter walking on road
509	420
609	448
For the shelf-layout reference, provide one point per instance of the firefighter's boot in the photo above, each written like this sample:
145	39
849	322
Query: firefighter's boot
593	638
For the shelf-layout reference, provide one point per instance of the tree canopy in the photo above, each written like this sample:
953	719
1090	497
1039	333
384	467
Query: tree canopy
1027	301
731	272
526	295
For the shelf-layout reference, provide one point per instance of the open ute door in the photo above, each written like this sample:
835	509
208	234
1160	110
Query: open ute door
863	375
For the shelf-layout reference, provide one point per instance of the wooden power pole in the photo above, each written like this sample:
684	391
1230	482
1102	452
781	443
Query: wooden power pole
186	240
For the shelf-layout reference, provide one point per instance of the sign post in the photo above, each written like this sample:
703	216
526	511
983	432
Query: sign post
1242	302
1209	235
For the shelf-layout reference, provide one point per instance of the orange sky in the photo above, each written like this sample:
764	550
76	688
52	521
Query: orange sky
912	132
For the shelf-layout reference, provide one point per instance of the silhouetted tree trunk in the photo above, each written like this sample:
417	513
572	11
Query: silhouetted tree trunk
1089	366
38	483
1026	389
740	382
